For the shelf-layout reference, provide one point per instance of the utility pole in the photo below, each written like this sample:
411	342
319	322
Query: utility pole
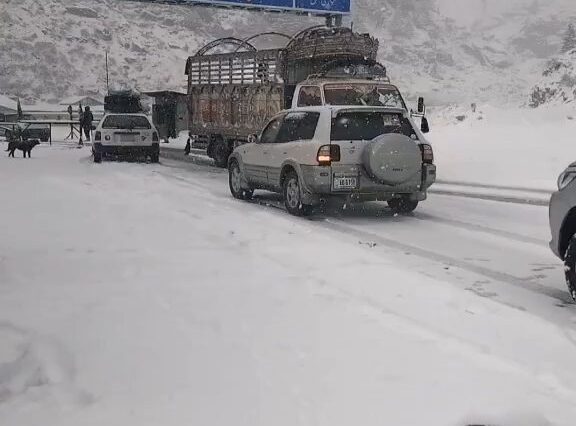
107	81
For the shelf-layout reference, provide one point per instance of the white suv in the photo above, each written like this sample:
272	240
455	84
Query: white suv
355	154
127	135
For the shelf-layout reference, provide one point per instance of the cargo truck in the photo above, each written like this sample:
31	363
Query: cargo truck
231	96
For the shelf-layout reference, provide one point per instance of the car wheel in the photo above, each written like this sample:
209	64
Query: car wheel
235	182
221	152
97	157
570	267
293	196
402	205
155	158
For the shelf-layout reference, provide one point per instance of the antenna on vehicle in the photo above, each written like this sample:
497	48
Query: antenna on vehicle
107	83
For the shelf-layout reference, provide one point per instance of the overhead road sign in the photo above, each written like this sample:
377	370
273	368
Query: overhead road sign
315	7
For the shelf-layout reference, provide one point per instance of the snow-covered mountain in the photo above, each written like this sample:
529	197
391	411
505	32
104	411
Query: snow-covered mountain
447	50
469	51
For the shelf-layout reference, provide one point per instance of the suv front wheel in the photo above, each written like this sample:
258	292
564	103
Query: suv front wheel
293	196
235	182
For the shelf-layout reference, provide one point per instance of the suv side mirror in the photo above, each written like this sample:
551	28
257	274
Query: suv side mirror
253	138
424	126
421	106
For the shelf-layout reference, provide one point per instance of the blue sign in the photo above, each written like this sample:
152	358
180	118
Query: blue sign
320	7
331	6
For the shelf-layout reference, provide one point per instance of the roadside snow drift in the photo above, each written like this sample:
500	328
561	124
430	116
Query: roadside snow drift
136	294
526	148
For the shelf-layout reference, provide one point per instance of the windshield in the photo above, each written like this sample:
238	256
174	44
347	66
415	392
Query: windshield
366	125
126	122
363	94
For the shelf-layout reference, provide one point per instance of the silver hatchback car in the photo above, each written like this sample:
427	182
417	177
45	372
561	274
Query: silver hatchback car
562	212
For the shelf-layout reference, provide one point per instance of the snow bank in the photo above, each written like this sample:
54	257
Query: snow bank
520	147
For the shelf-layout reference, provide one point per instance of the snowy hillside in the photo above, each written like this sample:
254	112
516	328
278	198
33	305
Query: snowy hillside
485	50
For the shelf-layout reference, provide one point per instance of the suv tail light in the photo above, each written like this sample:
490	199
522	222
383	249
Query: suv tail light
154	137
97	136
327	154
427	153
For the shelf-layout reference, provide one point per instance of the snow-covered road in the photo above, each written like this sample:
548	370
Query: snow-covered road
144	294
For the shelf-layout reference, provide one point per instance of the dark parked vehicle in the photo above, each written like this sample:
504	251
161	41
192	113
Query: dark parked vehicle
38	131
562	212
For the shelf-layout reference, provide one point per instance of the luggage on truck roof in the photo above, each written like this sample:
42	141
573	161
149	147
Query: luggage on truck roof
305	54
123	101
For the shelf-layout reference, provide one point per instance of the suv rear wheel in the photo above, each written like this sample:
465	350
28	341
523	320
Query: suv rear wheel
293	196
570	267
97	157
402	205
235	182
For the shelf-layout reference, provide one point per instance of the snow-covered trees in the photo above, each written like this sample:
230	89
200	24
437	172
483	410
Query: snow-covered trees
558	84
569	42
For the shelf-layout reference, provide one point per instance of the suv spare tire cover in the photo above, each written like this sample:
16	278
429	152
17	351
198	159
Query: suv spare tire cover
392	158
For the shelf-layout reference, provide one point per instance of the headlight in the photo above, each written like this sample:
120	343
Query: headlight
566	177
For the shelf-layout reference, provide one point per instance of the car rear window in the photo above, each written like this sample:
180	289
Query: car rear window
126	122
366	125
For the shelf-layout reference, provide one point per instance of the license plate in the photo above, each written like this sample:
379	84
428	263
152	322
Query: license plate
348	182
127	138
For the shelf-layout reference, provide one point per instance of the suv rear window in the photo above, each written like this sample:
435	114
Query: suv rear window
126	122
366	125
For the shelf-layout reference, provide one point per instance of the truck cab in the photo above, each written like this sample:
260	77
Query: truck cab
316	92
354	92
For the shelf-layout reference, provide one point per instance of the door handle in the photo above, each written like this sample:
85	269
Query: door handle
266	153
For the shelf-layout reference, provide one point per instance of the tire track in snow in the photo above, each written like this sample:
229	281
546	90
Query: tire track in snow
495	187
491	197
480	228
505	277
340	226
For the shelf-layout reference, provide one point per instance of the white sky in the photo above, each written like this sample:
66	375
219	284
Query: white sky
469	12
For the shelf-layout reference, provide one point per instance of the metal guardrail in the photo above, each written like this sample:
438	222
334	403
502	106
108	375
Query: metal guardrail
74	126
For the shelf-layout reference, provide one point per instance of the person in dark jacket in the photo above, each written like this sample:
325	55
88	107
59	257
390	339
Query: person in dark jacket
187	147
80	123
87	119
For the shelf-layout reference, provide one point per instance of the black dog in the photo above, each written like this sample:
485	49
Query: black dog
25	147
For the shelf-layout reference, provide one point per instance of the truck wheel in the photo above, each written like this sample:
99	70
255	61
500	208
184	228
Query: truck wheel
221	153
97	157
155	157
293	196
235	182
402	205
570	267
